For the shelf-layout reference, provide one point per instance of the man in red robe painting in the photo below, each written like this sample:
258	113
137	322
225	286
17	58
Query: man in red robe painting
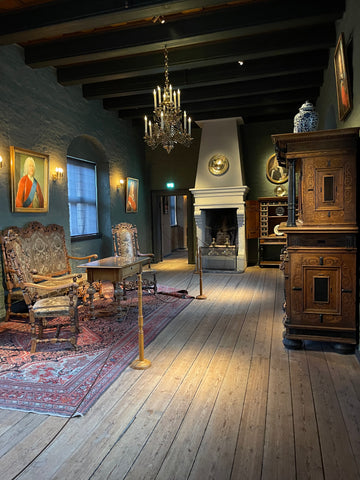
29	193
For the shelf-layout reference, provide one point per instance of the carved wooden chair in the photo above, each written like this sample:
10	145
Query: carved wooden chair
49	264
42	310
125	244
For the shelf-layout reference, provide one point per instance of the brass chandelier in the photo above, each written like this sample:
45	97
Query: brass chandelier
169	125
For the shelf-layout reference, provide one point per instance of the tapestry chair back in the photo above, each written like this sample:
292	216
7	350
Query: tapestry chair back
41	310
125	244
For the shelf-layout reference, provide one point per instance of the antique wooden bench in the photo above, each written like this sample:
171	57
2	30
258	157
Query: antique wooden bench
47	256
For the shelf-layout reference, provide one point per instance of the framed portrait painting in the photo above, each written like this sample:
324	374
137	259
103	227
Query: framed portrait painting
132	193
342	79
29	180
276	173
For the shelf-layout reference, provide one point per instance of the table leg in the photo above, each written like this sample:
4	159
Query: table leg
119	295
91	292
141	363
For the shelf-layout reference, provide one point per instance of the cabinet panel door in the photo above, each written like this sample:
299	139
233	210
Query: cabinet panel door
328	190
323	289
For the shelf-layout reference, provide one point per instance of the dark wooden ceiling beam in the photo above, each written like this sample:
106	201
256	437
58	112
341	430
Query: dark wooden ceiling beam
150	69
235	90
227	52
190	80
56	19
116	53
195	31
253	101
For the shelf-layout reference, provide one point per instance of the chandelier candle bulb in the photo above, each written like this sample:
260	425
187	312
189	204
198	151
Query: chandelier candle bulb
178	98
159	94
184	121
175	99
154	92
189	121
146	126
150	129
170	95
162	120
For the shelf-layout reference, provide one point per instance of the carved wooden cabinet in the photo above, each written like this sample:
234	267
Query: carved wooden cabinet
320	260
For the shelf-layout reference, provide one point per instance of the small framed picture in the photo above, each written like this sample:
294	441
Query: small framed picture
276	173
342	79
29	180
132	192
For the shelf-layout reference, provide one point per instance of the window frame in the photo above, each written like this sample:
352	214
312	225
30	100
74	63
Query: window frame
84	236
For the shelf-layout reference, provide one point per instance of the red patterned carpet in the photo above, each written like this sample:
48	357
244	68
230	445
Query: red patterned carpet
56	380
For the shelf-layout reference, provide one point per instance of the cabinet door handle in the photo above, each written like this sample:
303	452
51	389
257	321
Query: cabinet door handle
346	290
296	288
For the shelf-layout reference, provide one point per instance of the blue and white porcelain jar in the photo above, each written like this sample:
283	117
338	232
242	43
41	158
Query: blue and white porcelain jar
307	119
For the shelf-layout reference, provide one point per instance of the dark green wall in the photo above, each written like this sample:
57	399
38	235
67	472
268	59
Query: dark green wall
38	114
257	147
179	166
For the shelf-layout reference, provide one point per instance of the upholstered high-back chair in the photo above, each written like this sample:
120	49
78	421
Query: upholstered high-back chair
125	244
45	248
41	310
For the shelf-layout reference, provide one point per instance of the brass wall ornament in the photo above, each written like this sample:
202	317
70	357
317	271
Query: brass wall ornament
218	164
275	173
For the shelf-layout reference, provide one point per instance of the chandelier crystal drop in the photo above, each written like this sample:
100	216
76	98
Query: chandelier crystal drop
169	125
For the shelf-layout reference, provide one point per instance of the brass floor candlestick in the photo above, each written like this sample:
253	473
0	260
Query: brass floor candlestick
141	363
201	296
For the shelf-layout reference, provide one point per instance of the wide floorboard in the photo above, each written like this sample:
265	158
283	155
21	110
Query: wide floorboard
223	399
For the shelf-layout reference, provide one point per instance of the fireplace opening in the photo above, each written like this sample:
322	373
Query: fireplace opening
221	226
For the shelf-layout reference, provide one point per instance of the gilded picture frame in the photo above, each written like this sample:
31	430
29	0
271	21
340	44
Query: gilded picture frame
132	195
274	172
29	173
343	90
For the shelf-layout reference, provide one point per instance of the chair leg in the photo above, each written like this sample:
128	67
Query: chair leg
8	309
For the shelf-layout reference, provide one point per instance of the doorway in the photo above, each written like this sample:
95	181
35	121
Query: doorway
172	223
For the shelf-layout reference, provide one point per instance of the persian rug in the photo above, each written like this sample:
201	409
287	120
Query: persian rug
57	380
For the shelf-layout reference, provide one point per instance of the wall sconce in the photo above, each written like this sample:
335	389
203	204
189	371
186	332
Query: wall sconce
121	183
59	173
1	161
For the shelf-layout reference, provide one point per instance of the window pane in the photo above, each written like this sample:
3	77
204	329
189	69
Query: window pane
82	197
173	219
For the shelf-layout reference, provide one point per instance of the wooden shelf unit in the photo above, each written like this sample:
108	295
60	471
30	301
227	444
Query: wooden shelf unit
272	212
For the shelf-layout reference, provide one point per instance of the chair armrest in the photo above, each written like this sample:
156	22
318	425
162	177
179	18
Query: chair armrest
39	286
88	257
151	255
38	278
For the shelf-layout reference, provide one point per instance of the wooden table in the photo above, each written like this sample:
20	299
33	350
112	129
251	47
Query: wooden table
116	269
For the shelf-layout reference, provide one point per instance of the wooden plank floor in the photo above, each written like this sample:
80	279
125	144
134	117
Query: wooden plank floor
223	399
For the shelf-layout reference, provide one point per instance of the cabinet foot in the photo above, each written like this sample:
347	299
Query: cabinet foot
344	348
292	344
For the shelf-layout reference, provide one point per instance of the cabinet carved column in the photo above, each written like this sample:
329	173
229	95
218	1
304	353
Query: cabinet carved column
320	261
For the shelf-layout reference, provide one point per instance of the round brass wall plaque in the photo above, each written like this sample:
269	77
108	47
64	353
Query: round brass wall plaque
218	164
